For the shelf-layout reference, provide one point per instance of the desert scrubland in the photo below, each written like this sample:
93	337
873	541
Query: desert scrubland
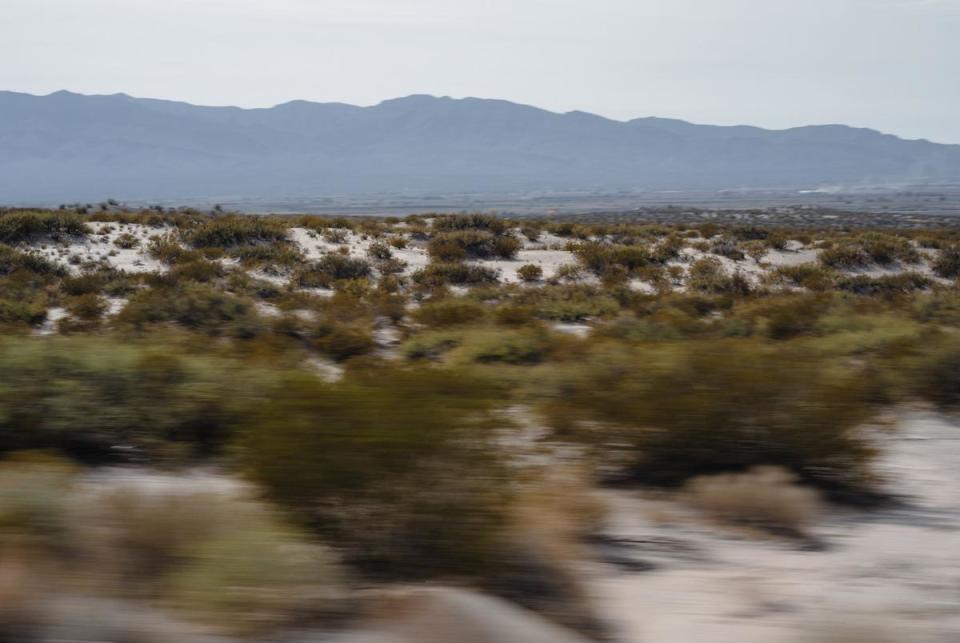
217	427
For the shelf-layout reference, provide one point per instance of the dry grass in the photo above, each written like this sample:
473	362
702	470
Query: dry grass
764	497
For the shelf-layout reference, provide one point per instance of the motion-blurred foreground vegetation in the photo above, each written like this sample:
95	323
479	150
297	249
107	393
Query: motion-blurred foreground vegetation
355	419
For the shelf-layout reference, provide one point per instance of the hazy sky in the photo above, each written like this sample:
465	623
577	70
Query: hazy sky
889	64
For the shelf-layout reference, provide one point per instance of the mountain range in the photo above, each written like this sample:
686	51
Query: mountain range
67	146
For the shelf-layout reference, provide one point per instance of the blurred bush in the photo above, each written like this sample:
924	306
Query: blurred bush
395	468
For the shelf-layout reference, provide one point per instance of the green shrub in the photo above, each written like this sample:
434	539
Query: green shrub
886	285
727	248
330	268
19	312
485	222
440	274
530	272
168	250
806	275
274	254
471	244
391	468
87	307
12	260
527	346
569	302
27	225
379	250
341	341
100	399
193	306
449	312
702	408
126	241
199	270
599	257
947	263
708	275
232	231
844	257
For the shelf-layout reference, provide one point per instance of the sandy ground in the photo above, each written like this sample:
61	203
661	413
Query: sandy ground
892	575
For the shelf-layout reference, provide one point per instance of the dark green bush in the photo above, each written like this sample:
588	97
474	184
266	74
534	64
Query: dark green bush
392	468
106	400
439	274
449	312
276	254
341	341
20	226
12	260
330	268
232	231
947	263
598	257
701	408
530	272
487	222
193	306
886	285
471	244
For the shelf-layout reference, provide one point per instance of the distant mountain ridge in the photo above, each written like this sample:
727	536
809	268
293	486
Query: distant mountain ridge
67	146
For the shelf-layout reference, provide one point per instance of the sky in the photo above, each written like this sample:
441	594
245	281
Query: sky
892	65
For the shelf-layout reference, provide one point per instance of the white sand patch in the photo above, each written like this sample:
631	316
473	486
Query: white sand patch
788	257
896	567
577	330
49	325
115	305
548	260
99	246
328	370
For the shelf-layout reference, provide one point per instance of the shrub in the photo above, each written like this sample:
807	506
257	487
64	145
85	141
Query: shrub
191	543
486	222
530	272
439	274
87	307
886	285
786	317
947	263
276	254
126	241
193	306
379	250
704	408
569	303
341	341
330	268
103	400
727	248
449	312
806	275
12	260
708	275
598	257
507	347
231	231
199	270
20	312
389	467
474	244
844	257
168	250
764	497
20	226
445	250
